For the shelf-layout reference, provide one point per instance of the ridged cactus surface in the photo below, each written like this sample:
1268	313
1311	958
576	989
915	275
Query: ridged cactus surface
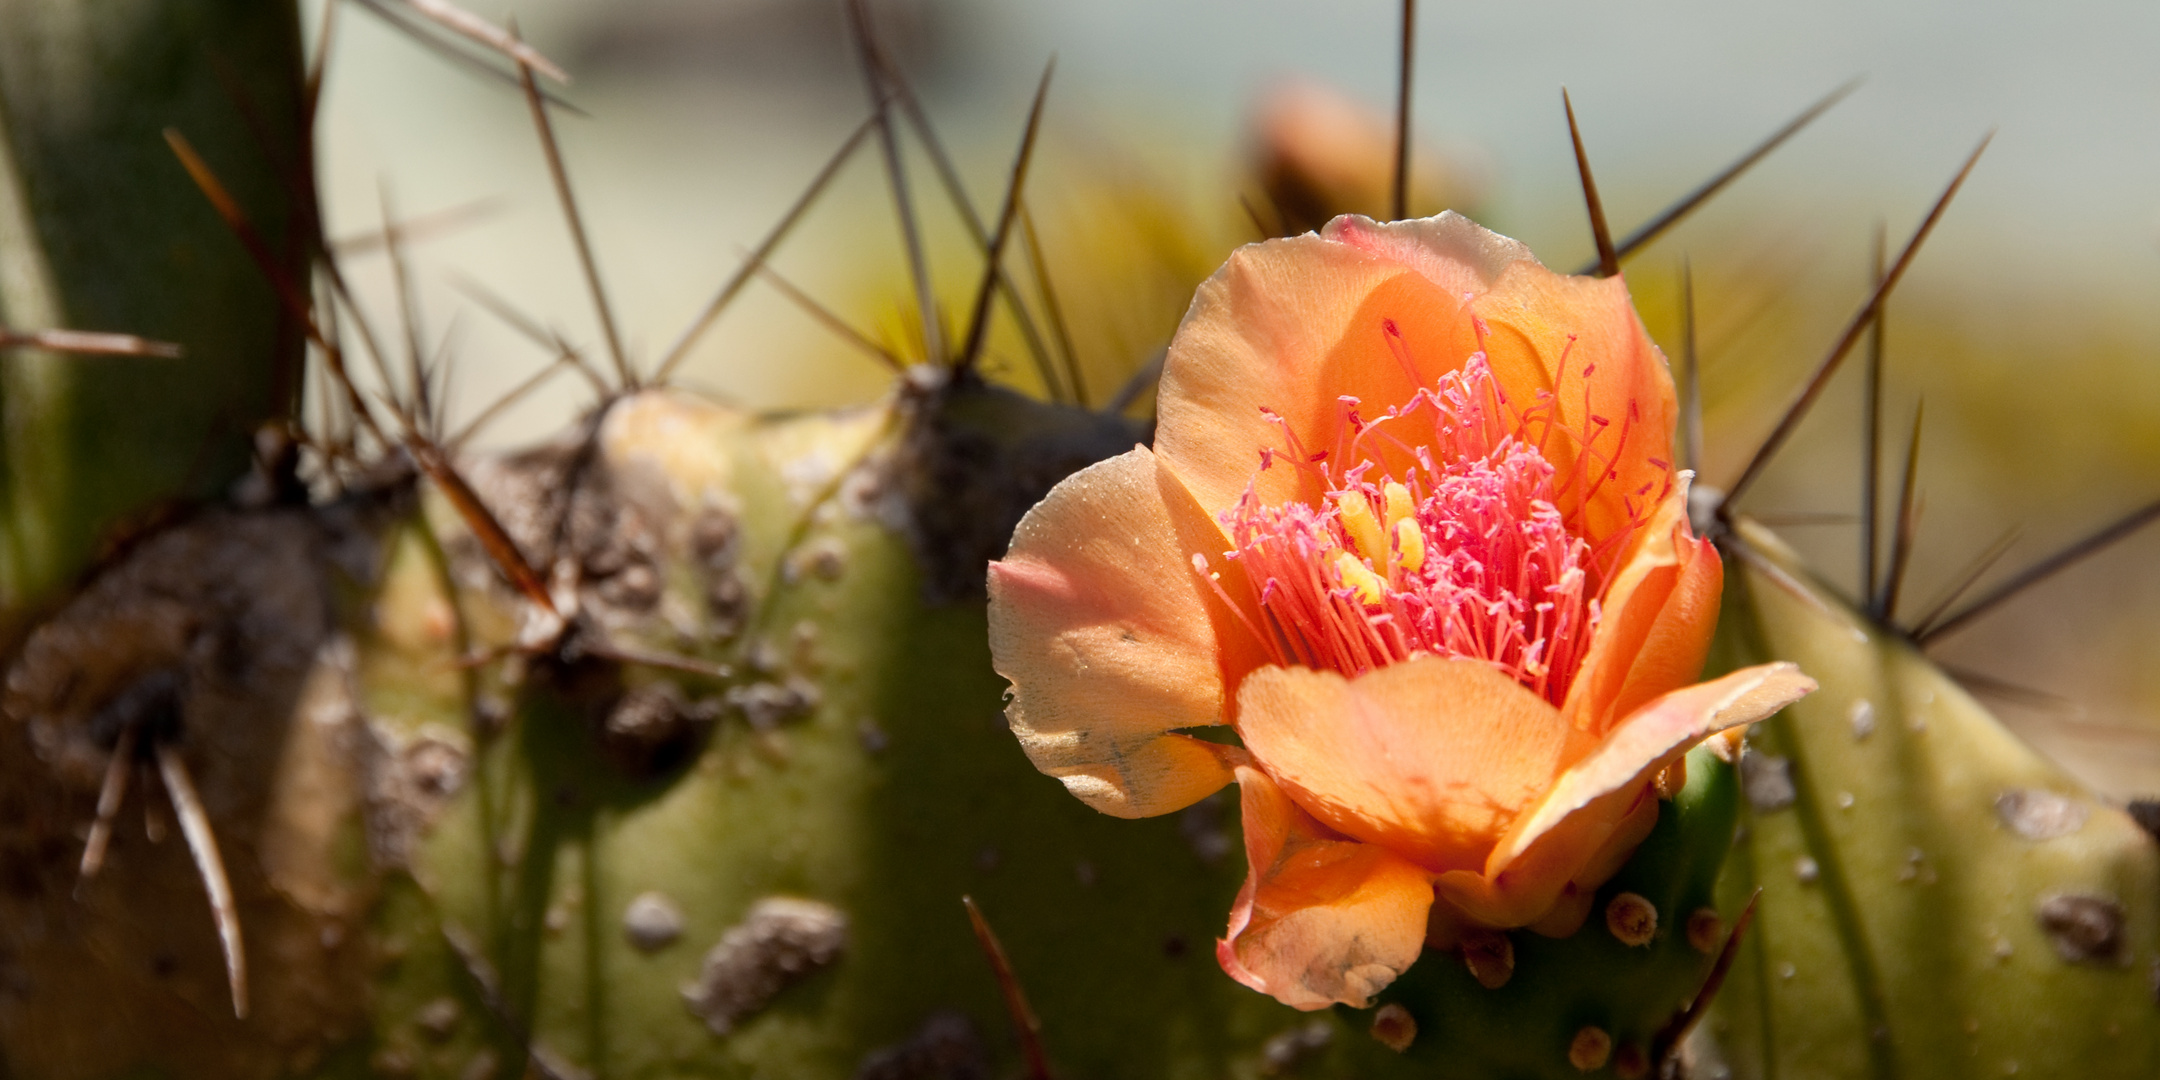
1938	900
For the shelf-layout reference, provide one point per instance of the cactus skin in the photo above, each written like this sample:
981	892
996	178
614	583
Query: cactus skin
123	973
899	792
1944	956
100	229
1524	1028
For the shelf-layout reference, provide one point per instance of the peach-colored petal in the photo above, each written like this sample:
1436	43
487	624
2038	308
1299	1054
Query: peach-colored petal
1433	757
1624	405
1660	610
1263	333
1295	325
1449	250
1098	618
1672	653
1322	919
1601	797
1620	839
1544	332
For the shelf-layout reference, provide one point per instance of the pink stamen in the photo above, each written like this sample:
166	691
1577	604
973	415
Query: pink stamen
1401	349
1498	573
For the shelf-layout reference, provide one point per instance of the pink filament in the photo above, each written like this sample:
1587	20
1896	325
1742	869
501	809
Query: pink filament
1505	576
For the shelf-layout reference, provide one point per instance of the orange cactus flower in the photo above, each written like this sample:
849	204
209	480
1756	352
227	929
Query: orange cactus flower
1411	529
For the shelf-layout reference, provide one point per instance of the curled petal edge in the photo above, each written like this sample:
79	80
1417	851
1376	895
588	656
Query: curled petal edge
1100	622
1322	919
1596	803
1660	612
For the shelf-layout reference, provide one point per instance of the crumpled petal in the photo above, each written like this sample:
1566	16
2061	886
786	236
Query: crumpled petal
1591	810
1433	757
1322	919
1660	611
1100	622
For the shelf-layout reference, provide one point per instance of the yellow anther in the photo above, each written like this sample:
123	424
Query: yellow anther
1356	575
1409	545
1399	504
1363	527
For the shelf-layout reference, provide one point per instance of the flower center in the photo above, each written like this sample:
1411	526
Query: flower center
1449	543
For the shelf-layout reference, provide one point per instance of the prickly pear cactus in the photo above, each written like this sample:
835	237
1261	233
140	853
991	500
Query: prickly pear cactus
1937	899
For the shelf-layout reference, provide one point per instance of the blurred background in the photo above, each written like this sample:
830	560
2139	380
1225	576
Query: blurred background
2026	325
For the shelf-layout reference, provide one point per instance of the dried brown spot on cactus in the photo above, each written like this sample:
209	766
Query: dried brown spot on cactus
766	704
578	517
2084	929
1705	930
822	559
1394	1027
946	1047
783	941
1590	1049
1286	1052
1490	956
1632	918
411	778
653	729
652	921
207	610
714	536
2038	814
193	681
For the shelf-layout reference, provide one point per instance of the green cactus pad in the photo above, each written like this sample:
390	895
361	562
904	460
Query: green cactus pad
1938	900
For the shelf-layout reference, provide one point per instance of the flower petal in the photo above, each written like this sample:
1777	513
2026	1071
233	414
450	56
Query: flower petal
1448	249
1576	337
1321	919
1434	758
1590	812
1290	326
1101	623
1660	611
